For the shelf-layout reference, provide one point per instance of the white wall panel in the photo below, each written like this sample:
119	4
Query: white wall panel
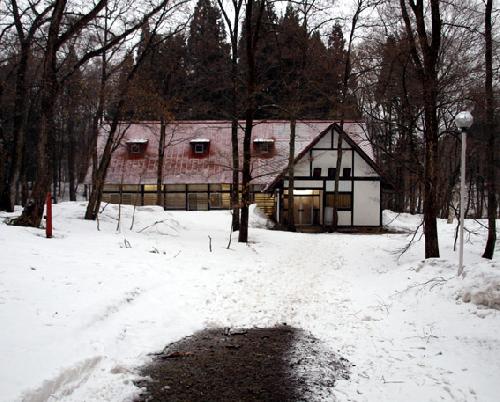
345	145
361	168
366	203
302	167
328	159
305	184
326	141
344	185
344	217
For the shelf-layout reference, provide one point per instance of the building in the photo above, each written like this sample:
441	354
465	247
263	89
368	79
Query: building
197	171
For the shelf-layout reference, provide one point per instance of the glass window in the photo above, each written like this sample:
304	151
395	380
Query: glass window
131	198
346	172
198	201
175	200
199	148
215	187
344	200
111	187
197	187
150	198
150	187
215	200
175	187
131	187
332	172
317	172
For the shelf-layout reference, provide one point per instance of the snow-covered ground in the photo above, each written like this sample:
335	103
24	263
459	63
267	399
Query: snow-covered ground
81	311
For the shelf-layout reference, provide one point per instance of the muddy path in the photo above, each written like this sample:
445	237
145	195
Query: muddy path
258	364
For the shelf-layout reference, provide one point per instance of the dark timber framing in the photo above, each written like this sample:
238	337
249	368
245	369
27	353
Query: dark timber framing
301	181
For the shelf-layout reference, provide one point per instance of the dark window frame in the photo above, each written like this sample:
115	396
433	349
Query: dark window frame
346	172
332	173
315	172
135	149
199	148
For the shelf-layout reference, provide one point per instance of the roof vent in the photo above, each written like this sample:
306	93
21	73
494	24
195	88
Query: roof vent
199	146
136	146
263	146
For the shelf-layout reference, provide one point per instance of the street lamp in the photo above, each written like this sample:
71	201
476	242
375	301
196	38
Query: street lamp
463	121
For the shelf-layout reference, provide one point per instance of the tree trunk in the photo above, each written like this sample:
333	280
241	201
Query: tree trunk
291	176
71	160
425	55
33	212
161	158
251	46
235	201
338	166
431	129
20	119
491	129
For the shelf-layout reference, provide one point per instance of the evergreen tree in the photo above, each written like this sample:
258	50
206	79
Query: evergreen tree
267	61
209	85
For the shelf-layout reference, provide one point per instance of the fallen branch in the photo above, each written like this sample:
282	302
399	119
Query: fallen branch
435	281
412	240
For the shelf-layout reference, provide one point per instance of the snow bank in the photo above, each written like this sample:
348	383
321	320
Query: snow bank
258	219
482	286
401	221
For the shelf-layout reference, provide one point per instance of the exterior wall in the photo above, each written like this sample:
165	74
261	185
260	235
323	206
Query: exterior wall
305	184
190	197
361	168
366	203
344	185
303	167
345	145
359	202
325	159
344	217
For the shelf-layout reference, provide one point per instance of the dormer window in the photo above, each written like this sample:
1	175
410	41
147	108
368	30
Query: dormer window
263	146
136	147
200	146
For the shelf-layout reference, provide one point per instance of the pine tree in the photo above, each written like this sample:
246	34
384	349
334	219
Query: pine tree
208	88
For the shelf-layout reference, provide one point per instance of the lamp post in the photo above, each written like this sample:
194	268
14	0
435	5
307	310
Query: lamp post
463	121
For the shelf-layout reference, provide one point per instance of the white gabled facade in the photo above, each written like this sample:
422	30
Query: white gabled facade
360	185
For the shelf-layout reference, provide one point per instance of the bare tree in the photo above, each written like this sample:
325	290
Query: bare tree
233	25
361	6
491	131
253	18
25	36
424	48
116	132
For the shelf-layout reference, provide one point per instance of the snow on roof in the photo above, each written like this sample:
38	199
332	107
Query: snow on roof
199	140
181	168
268	140
137	141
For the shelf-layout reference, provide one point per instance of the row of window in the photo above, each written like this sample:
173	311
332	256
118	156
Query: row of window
201	147
342	201
192	197
172	188
332	172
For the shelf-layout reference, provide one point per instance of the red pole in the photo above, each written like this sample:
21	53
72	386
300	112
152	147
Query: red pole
48	226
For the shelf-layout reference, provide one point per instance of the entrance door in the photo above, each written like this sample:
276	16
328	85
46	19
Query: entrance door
306	210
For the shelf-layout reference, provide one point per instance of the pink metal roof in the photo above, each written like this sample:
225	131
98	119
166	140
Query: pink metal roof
181	166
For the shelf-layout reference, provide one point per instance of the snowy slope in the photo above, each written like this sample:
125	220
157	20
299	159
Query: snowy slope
79	312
